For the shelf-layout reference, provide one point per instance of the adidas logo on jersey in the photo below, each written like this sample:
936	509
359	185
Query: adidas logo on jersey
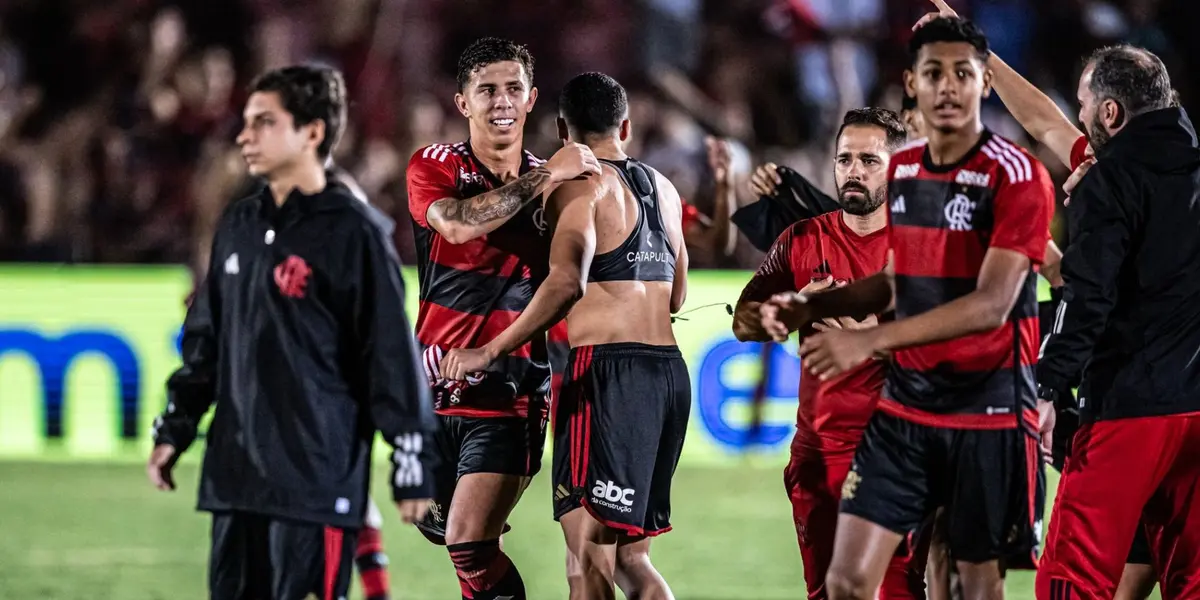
907	171
972	178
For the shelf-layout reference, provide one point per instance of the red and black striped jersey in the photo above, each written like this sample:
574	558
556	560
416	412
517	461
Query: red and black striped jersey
943	219
471	292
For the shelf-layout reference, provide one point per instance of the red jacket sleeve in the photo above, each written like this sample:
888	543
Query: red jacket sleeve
1024	206
430	178
1079	152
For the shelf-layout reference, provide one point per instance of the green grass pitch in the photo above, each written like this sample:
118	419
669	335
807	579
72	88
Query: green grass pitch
98	531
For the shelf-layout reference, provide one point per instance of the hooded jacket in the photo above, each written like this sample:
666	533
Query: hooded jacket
1129	322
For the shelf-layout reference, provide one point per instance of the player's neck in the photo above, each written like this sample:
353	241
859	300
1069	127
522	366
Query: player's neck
503	161
949	147
608	148
864	225
308	179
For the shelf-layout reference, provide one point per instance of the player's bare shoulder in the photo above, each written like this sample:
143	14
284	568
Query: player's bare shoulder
670	205
588	190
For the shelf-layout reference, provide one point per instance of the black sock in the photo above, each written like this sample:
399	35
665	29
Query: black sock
485	572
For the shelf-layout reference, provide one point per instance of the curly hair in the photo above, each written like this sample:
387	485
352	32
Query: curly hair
949	29
490	50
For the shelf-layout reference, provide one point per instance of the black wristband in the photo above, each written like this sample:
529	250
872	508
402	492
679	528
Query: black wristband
1055	397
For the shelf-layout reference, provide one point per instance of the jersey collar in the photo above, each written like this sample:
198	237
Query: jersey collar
487	173
927	161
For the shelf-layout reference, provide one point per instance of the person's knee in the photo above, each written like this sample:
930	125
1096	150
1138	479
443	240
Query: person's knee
847	583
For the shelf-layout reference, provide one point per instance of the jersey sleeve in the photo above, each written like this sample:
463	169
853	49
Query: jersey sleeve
775	275
1024	206
430	178
1079	152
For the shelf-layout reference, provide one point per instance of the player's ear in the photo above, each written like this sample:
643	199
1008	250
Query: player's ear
987	81
564	134
625	129
533	95
316	132
1112	114
910	84
461	102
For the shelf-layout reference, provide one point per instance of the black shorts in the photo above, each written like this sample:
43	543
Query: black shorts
990	481
255	556
618	432
465	445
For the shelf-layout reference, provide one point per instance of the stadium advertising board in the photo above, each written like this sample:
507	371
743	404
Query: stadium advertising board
84	352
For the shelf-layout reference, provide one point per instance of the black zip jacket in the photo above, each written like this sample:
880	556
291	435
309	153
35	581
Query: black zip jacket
299	337
1130	316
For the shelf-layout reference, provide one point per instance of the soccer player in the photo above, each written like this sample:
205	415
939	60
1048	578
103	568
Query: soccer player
833	249
483	249
1128	325
618	264
1041	117
958	422
298	336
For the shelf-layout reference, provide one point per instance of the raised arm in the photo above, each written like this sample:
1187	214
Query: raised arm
434	202
1034	110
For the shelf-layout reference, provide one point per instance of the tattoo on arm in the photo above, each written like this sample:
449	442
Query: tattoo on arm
498	204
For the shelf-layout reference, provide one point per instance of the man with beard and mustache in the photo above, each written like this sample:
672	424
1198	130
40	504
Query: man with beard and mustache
1128	330
818	253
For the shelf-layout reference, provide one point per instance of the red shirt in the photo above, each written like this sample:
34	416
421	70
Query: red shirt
471	292
832	414
943	220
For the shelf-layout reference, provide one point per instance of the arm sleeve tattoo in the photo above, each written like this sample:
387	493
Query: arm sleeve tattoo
498	204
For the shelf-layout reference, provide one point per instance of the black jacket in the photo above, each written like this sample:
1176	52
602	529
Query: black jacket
1130	317
796	199
299	337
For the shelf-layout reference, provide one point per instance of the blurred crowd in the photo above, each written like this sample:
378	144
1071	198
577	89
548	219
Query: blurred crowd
118	116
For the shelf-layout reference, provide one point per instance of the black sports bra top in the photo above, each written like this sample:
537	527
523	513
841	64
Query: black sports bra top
646	255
